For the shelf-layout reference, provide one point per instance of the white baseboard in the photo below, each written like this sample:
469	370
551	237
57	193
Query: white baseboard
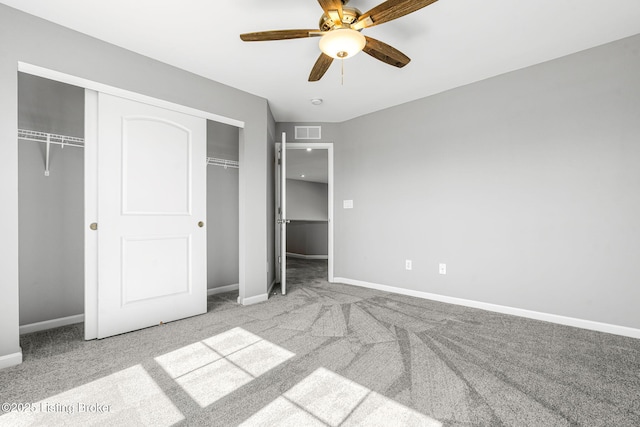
253	300
301	256
222	289
53	323
258	298
10	360
553	318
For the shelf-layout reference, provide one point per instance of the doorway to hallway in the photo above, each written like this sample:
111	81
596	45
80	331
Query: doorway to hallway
304	206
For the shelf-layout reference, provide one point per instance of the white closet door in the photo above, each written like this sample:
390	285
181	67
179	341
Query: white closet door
151	213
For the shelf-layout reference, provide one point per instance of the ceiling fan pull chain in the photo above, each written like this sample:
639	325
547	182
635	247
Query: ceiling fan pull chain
342	72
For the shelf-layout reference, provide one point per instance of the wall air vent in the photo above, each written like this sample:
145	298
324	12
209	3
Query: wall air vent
308	132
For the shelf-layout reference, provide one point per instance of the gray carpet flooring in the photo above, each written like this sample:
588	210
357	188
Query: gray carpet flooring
330	354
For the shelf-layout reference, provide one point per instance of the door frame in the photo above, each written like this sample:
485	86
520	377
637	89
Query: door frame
316	146
91	245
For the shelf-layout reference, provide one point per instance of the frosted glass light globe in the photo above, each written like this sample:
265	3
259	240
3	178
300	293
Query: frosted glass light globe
342	43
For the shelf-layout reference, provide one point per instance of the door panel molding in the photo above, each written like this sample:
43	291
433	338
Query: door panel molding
164	272
169	137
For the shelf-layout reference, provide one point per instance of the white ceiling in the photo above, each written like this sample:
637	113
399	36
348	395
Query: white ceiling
314	165
451	43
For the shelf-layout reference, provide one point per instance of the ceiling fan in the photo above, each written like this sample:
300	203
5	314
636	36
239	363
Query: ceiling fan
340	32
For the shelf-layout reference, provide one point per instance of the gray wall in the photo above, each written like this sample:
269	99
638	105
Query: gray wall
271	199
222	207
307	200
36	41
307	203
51	233
48	106
222	140
308	238
51	209
526	185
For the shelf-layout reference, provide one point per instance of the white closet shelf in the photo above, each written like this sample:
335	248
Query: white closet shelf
223	162
48	139
32	135
72	141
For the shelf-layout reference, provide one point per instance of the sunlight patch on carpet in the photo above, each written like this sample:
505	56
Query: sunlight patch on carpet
326	398
216	367
127	397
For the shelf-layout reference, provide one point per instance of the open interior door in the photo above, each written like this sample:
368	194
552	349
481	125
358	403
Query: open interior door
281	214
151	212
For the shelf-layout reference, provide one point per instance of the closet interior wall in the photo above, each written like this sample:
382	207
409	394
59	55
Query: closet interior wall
222	207
51	208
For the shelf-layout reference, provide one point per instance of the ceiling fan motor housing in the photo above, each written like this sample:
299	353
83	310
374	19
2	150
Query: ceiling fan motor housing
349	16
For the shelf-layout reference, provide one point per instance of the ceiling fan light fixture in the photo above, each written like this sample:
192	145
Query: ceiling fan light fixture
342	43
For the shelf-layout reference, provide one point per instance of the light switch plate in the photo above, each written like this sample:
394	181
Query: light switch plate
347	204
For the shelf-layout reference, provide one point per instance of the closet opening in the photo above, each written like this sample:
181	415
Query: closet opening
51	203
51	168
222	208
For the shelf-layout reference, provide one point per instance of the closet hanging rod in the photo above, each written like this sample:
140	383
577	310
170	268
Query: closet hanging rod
48	139
223	162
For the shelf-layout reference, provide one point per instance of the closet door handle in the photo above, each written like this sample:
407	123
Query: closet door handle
93	226
200	224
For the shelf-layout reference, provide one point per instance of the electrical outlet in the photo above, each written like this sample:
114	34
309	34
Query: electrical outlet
407	264
442	268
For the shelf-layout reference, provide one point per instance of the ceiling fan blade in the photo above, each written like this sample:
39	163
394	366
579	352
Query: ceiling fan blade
388	11
385	53
333	9
320	67
276	35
